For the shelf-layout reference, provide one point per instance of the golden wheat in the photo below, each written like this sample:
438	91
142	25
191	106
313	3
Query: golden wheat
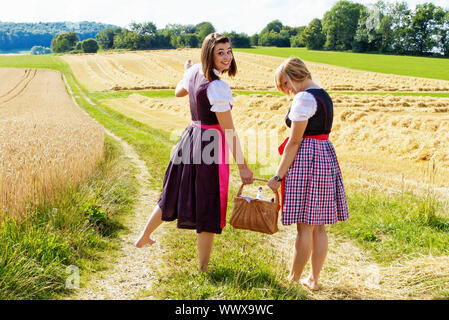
46	141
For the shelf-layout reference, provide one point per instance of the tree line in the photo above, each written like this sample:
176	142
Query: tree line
24	36
382	27
146	36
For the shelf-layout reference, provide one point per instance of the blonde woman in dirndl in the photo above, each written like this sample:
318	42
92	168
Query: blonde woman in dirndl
313	194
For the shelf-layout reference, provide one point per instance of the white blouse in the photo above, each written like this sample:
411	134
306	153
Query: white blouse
218	91
303	107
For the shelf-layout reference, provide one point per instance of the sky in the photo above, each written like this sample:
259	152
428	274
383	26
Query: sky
248	16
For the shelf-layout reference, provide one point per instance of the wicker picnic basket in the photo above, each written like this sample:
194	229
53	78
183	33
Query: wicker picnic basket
255	215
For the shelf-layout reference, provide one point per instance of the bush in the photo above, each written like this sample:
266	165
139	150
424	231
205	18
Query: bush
38	50
64	42
89	46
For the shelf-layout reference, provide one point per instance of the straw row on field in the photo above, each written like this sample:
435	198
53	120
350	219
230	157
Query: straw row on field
375	144
46	141
162	69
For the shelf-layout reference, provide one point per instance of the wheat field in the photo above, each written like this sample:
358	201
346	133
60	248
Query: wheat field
46	141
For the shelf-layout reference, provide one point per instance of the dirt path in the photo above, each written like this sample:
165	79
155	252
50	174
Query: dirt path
131	270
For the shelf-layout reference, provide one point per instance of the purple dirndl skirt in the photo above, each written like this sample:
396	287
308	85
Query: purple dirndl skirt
195	187
314	190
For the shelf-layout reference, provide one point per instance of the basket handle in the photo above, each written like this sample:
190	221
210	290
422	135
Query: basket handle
264	180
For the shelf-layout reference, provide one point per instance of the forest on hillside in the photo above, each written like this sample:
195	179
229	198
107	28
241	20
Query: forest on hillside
15	36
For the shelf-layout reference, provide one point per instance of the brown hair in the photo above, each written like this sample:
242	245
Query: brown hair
207	56
292	68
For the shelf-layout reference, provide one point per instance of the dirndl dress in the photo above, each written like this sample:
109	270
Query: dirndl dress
313	189
195	187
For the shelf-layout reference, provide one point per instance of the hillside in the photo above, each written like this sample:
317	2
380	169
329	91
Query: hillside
15	36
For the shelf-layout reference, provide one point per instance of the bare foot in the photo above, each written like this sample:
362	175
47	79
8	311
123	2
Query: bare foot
292	279
309	283
142	241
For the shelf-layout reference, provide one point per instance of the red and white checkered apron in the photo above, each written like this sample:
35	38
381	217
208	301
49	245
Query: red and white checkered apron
314	193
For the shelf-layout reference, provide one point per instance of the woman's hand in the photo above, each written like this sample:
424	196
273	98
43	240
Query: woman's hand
246	175
273	184
188	64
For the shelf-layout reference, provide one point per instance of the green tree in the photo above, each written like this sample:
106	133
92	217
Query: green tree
275	39
105	38
89	46
297	41
443	34
400	25
188	40
203	29
423	26
239	40
64	42
313	35
274	25
254	40
340	25
145	28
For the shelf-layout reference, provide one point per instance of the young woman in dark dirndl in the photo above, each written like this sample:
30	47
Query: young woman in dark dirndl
313	193
195	187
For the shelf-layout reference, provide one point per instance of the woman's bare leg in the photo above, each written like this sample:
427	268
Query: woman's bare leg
303	248
205	240
319	252
154	221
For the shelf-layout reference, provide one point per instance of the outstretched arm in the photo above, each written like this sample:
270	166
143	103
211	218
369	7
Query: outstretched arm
180	91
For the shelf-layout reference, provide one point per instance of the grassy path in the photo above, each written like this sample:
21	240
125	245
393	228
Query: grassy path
131	270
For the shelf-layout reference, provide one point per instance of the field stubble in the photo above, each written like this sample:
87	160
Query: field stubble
162	69
379	141
46	142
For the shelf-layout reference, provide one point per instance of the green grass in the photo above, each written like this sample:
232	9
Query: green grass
100	95
29	61
398	227
434	68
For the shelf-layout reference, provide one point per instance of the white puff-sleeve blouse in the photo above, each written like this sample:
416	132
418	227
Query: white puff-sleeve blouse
218	91
303	107
220	96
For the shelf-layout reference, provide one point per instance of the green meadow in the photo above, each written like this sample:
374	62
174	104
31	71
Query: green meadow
434	68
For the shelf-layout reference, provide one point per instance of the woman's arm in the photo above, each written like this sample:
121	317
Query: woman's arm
233	141
290	151
180	91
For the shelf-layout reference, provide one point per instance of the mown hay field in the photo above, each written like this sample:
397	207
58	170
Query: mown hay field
162	69
46	141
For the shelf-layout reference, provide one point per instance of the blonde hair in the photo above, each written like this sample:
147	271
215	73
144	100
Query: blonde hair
294	69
